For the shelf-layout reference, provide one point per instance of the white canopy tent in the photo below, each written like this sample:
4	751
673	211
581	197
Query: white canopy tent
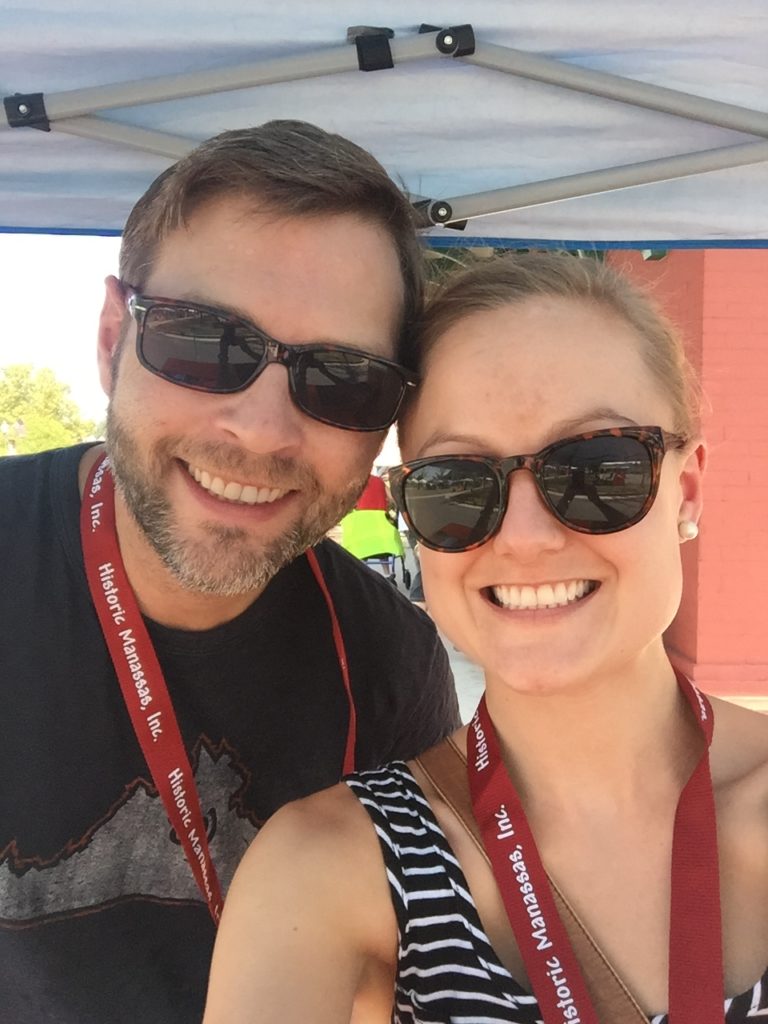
580	122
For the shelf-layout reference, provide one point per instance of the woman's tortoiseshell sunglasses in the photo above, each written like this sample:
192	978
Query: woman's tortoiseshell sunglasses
599	482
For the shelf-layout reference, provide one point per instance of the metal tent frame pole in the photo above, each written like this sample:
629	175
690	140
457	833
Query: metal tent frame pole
143	139
332	61
614	87
573	186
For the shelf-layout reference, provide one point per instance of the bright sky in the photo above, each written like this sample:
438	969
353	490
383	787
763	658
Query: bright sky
52	286
53	291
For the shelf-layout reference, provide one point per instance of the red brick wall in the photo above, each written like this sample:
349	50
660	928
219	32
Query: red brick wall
719	298
733	624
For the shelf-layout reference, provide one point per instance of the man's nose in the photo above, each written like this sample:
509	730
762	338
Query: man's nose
263	417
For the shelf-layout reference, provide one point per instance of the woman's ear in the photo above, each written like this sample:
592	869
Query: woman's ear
691	480
111	329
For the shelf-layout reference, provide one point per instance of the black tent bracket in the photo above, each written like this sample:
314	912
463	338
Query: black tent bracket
27	110
440	212
374	52
456	42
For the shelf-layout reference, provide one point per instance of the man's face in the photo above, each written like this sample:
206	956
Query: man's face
230	488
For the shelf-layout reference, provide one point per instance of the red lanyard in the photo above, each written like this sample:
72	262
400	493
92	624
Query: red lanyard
143	684
338	640
695	962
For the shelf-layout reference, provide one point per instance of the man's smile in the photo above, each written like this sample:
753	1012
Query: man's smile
231	490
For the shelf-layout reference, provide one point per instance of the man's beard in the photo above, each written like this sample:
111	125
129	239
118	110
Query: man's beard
228	560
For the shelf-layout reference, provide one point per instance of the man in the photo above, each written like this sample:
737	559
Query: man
171	678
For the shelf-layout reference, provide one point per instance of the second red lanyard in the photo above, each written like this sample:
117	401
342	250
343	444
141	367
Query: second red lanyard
696	971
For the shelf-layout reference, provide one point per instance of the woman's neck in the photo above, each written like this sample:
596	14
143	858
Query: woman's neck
611	742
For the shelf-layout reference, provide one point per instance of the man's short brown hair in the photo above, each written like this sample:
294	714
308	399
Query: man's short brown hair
293	168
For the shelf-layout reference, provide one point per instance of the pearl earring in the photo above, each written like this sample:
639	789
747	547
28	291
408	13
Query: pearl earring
687	529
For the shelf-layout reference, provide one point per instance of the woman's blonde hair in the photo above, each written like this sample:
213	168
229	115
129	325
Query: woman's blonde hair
502	280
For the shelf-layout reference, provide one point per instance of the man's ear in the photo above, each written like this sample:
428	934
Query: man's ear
691	480
111	321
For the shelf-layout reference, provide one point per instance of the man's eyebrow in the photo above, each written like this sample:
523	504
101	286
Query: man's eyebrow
200	299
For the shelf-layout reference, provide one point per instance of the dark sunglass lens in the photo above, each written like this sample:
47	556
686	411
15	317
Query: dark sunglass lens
452	504
347	389
200	350
600	484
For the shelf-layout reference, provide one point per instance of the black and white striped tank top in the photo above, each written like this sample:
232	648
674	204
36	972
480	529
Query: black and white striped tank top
447	971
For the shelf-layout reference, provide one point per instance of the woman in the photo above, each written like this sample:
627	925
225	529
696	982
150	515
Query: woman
558	573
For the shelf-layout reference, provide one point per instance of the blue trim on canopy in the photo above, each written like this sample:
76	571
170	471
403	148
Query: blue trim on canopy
471	241
567	243
96	232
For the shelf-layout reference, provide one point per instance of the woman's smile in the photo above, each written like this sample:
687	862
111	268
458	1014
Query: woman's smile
527	597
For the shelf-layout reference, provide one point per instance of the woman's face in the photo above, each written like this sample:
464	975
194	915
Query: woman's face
508	382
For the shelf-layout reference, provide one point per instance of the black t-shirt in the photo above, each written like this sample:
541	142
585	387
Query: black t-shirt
100	918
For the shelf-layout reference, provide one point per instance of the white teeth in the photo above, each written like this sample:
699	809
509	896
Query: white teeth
250	495
548	595
233	491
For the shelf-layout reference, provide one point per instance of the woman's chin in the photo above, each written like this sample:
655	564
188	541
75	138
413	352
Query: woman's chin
529	675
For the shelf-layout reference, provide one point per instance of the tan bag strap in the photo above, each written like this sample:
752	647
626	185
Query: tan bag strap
446	768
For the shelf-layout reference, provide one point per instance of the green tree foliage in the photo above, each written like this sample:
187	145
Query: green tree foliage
37	412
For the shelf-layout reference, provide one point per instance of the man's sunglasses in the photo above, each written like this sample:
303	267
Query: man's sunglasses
212	350
600	482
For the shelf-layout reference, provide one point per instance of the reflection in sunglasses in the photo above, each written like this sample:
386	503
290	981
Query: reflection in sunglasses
599	482
216	351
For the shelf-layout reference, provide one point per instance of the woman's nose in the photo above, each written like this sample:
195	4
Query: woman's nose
528	526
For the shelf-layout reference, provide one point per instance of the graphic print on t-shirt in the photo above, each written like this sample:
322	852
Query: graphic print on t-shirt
131	851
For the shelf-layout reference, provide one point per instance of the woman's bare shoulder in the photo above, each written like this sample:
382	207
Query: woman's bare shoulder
309	902
740	754
328	830
323	846
324	813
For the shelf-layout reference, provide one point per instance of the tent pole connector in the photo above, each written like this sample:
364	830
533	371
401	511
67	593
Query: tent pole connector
458	41
440	212
27	110
431	212
373	50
